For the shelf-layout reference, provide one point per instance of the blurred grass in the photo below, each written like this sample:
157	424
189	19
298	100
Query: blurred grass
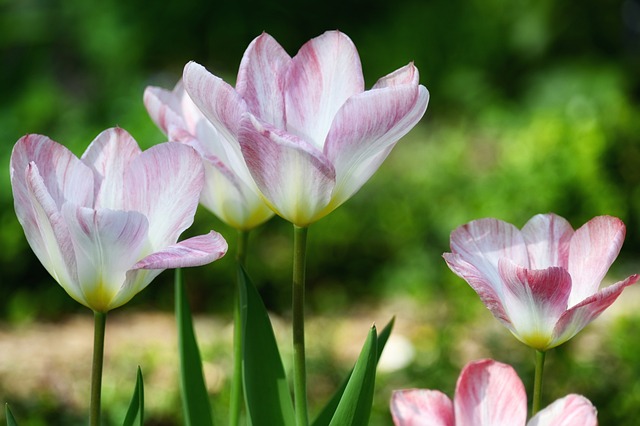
534	108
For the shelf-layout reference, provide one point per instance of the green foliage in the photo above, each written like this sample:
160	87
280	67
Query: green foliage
136	407
11	421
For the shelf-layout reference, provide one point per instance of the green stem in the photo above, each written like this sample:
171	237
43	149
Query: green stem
236	382
537	383
100	323
299	360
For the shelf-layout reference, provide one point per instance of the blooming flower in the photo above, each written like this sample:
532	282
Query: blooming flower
488	393
106	224
229	190
309	132
541	282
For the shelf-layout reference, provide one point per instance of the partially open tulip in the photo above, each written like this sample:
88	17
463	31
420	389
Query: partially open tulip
104	225
541	282
309	132
488	393
229	190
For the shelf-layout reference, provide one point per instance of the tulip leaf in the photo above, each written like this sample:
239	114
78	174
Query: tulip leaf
354	407
136	406
11	421
267	392
324	418
195	399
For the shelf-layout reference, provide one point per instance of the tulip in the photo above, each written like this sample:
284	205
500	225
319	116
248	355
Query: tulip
229	190
488	393
310	134
541	282
104	225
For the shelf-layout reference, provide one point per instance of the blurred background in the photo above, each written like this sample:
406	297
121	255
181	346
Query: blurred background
535	107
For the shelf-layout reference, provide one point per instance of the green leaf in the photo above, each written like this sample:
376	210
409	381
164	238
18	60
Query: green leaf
354	408
195	399
11	421
136	406
267	391
325	416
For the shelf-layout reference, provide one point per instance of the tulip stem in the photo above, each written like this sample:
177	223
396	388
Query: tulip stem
537	383
236	383
299	360
100	323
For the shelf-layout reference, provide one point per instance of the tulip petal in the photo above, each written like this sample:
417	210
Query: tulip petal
108	156
164	184
164	109
194	251
366	128
48	234
107	243
548	237
592	250
322	76
261	79
534	301
217	100
421	407
406	75
572	410
295	178
485	288
489	393
577	317
483	242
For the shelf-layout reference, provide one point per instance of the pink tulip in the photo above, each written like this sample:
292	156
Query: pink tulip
309	132
541	282
488	393
229	190
106	224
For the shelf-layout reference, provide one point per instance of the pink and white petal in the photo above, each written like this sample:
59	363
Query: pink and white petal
548	237
534	301
593	248
164	108
230	199
195	251
64	176
481	284
322	76
108	156
295	178
48	235
367	125
217	100
406	75
421	407
261	79
578	316
484	242
107	244
489	393
164	184
572	410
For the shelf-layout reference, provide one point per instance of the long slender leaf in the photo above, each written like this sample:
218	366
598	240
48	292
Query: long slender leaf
354	408
325	416
195	399
266	388
136	406
11	421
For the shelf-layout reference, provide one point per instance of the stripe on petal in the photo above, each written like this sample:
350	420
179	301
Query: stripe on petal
572	410
534	301
295	178
366	128
490	393
195	251
322	76
421	407
594	247
548	237
261	79
576	318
